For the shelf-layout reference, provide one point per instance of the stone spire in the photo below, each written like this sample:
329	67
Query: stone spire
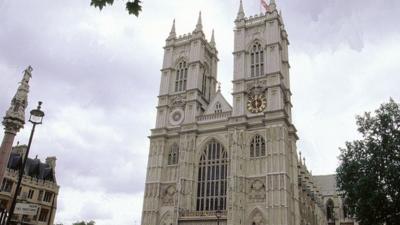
172	34
199	25
212	42
240	14
15	115
272	5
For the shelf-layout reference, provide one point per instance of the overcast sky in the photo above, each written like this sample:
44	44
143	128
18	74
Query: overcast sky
98	76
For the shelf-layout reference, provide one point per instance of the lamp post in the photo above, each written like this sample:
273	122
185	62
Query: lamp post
218	214
35	118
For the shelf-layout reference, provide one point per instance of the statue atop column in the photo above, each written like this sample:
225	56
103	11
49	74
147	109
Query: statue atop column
14	120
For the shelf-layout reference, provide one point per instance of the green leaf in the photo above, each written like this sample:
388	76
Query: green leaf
101	3
134	7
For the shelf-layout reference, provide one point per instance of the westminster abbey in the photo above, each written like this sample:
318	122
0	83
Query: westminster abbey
215	163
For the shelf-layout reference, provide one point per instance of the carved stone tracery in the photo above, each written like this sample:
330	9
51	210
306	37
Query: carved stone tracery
177	101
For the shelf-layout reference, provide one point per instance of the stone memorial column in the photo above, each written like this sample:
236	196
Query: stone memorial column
14	120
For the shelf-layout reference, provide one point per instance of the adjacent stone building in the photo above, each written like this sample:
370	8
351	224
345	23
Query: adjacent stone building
335	207
210	162
39	186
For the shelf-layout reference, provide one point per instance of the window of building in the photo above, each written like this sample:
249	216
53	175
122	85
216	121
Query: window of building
7	185
47	196
181	77
40	196
43	215
204	84
257	60
329	210
212	178
173	155
218	108
257	146
30	193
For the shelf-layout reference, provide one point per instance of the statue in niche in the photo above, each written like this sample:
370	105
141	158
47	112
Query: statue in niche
169	195
257	191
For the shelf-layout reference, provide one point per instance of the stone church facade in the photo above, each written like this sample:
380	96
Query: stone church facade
210	162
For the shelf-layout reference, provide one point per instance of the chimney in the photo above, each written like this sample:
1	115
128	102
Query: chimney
51	161
20	149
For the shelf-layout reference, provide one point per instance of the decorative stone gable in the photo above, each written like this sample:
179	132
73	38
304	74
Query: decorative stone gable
218	105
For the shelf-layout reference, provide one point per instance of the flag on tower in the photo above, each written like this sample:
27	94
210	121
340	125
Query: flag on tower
265	5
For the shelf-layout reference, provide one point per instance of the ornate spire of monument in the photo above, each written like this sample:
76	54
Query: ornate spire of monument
15	115
14	120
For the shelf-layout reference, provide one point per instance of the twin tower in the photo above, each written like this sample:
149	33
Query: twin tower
210	162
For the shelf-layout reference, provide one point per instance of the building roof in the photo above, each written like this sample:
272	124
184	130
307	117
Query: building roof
219	98
33	167
326	183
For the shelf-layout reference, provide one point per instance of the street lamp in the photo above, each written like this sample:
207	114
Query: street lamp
35	118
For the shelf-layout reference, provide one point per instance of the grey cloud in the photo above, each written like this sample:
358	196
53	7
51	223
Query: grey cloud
91	211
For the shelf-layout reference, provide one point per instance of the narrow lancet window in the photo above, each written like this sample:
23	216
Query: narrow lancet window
173	155
257	147
256	60
218	108
181	77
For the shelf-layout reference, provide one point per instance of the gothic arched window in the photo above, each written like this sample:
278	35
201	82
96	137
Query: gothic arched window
212	178
173	155
257	60
257	146
181	77
329	209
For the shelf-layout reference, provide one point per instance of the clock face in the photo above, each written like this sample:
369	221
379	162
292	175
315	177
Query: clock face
256	103
176	117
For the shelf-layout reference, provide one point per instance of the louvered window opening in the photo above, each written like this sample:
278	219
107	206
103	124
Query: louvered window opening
181	77
257	60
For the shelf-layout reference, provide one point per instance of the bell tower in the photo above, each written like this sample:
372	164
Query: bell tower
261	66
188	77
265	164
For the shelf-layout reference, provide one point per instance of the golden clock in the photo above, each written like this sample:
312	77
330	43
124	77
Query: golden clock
256	103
